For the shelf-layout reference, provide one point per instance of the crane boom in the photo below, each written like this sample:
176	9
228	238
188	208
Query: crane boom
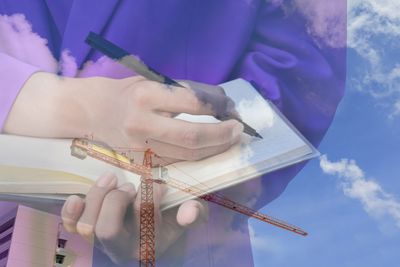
116	159
227	203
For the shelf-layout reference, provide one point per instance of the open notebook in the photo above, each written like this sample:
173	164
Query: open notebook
44	168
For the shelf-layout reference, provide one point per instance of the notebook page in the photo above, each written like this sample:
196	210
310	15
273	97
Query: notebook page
54	154
252	156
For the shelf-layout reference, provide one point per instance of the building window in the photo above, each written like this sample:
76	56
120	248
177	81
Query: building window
60	259
7	225
5	239
4	254
61	243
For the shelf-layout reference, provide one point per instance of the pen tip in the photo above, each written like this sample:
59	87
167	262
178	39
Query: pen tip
258	135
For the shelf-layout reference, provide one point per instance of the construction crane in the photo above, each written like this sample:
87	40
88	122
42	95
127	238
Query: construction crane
83	147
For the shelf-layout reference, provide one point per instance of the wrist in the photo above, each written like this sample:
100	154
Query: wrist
47	106
95	102
71	116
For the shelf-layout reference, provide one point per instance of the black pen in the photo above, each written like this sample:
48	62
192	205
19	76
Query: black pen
125	58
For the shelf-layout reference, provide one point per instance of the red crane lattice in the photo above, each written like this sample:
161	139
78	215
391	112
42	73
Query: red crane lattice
147	231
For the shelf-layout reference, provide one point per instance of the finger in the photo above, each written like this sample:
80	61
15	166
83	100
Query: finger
156	96
214	96
71	212
162	226
197	103
159	191
204	86
165	150
194	135
190	213
93	202
110	228
193	100
176	221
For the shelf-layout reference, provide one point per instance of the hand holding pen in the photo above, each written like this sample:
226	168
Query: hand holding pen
221	107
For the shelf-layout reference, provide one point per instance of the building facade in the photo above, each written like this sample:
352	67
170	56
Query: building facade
33	238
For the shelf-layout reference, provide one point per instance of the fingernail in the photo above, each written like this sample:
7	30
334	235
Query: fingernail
106	180
128	187
71	205
195	214
237	130
86	230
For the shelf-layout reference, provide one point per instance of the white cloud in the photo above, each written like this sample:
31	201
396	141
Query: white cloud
265	244
375	201
250	110
19	41
326	20
396	110
373	31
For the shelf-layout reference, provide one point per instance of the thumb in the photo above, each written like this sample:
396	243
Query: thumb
191	213
176	221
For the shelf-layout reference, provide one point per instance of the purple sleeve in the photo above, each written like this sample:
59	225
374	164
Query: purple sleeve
303	77
13	75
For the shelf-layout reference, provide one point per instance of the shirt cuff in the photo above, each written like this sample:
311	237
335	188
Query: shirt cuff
13	75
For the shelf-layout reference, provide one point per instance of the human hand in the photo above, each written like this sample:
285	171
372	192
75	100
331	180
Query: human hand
110	215
129	113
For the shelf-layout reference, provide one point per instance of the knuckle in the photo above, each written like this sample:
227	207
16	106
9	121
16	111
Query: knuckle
134	127
149	87
191	138
140	96
194	101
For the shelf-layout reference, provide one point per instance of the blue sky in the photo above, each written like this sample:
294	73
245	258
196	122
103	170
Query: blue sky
349	229
342	233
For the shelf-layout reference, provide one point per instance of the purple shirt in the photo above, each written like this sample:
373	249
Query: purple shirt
203	40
